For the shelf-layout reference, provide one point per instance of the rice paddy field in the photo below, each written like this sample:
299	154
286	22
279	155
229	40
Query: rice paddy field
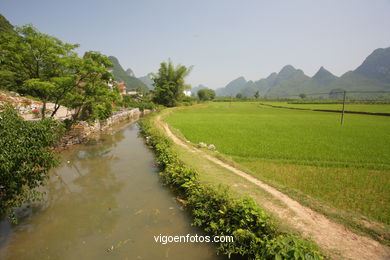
371	108
347	167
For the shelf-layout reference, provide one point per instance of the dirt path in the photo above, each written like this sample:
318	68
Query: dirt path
332	237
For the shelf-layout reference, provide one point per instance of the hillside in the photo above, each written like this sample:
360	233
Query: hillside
232	88
372	75
376	66
148	81
121	75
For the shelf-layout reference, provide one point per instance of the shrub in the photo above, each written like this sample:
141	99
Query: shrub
25	158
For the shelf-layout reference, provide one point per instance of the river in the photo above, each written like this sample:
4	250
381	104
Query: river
105	201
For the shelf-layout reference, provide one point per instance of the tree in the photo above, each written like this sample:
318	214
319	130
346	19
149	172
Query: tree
239	96
169	84
302	95
25	158
257	95
211	94
92	98
37	64
45	67
206	94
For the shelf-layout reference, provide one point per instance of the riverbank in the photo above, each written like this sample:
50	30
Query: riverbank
83	130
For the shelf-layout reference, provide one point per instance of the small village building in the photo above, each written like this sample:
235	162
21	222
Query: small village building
122	88
132	92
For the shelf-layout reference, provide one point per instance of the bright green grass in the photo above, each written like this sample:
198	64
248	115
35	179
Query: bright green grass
346	166
372	108
315	138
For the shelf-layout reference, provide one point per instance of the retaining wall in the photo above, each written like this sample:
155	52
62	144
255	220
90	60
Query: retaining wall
82	130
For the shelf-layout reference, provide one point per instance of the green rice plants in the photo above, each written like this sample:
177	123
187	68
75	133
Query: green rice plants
346	166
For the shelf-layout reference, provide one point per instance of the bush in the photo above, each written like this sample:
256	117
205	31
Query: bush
130	102
25	158
217	213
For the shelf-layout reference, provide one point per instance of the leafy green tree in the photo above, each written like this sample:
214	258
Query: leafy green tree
206	94
202	94
5	26
43	66
239	96
302	95
169	84
37	64
257	94
92	98
211	94
25	158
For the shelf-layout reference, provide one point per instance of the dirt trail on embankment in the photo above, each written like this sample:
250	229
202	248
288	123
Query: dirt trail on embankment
333	238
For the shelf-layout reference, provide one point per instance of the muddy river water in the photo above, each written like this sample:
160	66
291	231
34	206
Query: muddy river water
105	201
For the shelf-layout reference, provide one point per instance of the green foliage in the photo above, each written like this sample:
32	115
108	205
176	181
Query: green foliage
5	26
92	98
239	96
40	65
257	94
131	102
216	212
302	95
120	75
206	94
288	247
169	84
25	158
34	55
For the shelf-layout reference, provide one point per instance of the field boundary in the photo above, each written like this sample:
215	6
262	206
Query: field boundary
329	235
327	110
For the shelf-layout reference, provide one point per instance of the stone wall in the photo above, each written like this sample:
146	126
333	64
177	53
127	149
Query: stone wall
81	131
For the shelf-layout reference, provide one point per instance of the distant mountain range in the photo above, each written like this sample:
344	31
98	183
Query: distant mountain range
127	76
372	75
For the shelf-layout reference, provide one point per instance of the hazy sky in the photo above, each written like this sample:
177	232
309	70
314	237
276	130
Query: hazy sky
223	39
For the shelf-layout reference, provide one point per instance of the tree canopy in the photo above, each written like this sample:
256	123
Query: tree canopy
42	66
170	84
206	94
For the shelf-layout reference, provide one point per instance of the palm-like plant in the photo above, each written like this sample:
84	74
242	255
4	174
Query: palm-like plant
170	84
